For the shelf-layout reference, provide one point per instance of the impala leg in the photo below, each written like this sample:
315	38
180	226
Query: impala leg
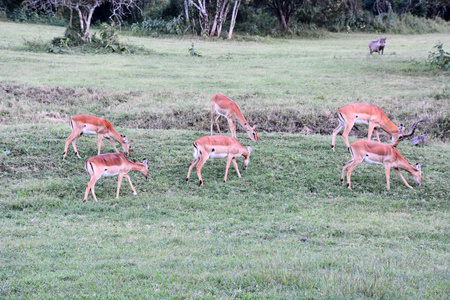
100	137
344	170
191	166
351	166
212	118
346	133
118	184
403	178
200	164
236	167
129	180
72	138
229	159
377	133
387	168
91	186
230	124
335	132
371	129
112	144
217	124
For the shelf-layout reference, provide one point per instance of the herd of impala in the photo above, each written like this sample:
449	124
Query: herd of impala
111	164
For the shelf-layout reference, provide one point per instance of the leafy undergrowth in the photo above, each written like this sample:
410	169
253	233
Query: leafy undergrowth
286	229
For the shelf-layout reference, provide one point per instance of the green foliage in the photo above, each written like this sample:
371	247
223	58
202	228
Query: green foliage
439	57
193	51
23	14
154	27
109	37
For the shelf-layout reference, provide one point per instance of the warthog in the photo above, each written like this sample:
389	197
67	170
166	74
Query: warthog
377	46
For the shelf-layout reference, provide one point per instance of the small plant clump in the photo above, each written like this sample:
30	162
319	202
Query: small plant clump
439	58
193	51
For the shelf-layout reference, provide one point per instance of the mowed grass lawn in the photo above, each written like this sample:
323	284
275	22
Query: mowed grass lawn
286	229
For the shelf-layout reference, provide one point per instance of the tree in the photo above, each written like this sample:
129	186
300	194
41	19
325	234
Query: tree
84	10
283	10
212	14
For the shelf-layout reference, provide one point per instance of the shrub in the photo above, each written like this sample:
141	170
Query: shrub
439	58
158	26
23	14
109	39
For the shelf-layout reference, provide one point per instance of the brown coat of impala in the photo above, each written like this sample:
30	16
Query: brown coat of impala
372	115
224	106
111	164
378	153
93	125
218	147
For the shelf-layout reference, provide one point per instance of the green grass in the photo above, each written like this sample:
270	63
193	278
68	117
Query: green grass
286	229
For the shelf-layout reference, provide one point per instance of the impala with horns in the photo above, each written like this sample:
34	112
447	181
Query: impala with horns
224	106
372	115
218	147
378	153
111	164
92	125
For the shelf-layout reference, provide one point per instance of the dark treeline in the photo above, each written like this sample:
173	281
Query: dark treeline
258	17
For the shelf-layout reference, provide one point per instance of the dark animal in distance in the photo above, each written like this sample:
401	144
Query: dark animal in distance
377	46
419	140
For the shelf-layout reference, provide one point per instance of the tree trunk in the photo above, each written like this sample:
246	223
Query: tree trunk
223	17
283	22
233	18
186	10
216	17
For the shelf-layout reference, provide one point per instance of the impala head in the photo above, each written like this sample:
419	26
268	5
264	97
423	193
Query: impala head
397	138
247	158
402	135
417	175
251	131
126	145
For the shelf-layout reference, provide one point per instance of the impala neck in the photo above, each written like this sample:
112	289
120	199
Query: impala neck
241	119
401	163
390	127
115	135
137	167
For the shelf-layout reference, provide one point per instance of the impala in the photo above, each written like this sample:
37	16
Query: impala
224	106
378	153
372	115
92	125
111	164
218	147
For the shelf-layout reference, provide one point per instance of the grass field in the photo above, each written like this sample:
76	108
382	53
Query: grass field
286	229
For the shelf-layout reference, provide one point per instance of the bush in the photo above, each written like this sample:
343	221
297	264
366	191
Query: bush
109	39
23	14
439	58
158	26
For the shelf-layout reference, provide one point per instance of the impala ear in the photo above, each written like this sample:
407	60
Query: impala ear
400	129
247	127
145	163
254	126
418	168
249	149
125	139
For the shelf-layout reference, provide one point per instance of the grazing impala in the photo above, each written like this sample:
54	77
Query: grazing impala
92	125
224	106
378	153
372	115
111	164
218	147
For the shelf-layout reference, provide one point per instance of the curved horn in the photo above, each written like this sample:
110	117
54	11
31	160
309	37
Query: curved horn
413	127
